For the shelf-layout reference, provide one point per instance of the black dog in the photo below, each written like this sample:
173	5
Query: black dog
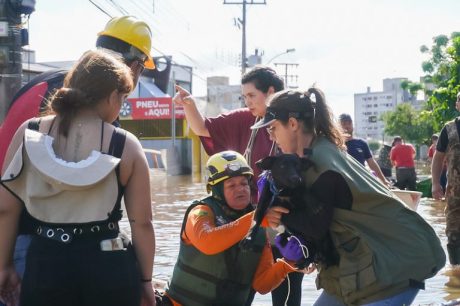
284	186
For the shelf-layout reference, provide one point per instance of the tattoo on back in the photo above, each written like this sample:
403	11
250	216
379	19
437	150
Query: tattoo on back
77	143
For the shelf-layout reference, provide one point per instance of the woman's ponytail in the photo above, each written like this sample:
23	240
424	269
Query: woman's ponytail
324	121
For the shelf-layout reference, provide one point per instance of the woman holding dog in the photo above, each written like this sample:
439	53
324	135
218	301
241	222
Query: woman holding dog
212	269
370	249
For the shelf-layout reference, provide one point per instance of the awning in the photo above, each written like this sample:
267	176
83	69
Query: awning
145	89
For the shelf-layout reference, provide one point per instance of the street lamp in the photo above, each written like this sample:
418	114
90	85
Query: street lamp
287	51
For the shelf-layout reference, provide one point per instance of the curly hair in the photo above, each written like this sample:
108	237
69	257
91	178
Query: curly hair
263	78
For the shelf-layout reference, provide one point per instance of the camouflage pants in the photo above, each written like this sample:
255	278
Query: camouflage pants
453	204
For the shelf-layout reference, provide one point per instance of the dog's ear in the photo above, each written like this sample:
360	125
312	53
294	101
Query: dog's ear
305	163
266	163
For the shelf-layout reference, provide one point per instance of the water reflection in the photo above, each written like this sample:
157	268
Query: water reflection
172	194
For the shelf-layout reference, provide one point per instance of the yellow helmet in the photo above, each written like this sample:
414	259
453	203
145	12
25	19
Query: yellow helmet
224	165
134	32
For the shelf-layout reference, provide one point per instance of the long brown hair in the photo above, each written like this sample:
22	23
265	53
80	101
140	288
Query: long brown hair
94	77
324	119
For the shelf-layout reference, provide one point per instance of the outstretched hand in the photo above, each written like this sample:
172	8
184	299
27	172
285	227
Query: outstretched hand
182	96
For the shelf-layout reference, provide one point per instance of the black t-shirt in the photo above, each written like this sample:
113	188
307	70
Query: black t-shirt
329	191
443	140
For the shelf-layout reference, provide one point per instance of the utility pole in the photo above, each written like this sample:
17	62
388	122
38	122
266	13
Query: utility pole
243	25
10	55
12	38
292	77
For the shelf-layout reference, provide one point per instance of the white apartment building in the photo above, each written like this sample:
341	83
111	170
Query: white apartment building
222	97
370	106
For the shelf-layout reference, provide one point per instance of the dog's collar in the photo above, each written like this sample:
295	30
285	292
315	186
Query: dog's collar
274	190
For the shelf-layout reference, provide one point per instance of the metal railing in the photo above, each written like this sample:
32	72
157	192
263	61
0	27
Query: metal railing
155	155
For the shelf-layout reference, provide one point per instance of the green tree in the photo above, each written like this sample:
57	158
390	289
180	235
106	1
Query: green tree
441	84
412	87
443	72
405	121
374	146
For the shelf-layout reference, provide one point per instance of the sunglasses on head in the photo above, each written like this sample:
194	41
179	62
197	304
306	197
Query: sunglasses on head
282	114
136	55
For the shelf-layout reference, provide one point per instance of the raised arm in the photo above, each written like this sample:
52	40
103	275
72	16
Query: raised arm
194	118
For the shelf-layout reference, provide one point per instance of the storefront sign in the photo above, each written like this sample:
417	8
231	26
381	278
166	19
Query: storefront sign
149	108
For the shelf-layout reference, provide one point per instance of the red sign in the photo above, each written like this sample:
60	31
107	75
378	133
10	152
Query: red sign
149	108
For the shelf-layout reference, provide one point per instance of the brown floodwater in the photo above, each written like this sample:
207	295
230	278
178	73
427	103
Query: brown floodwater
171	196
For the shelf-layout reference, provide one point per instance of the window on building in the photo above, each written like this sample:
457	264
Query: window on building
372	119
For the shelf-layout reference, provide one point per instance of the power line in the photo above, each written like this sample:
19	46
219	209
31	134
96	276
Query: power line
102	10
175	14
146	15
243	24
135	2
166	15
126	11
118	7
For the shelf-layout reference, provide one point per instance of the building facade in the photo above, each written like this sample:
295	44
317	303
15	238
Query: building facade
370	106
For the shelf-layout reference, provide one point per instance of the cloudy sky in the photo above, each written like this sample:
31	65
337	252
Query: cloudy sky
342	46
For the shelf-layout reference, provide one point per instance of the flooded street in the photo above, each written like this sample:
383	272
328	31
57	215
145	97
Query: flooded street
171	196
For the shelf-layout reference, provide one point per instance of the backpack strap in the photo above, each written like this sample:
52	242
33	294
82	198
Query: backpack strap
117	143
34	124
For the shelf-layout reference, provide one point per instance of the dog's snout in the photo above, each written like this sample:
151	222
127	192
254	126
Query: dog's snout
295	180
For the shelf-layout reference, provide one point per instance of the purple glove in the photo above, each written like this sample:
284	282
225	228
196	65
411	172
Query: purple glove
292	248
